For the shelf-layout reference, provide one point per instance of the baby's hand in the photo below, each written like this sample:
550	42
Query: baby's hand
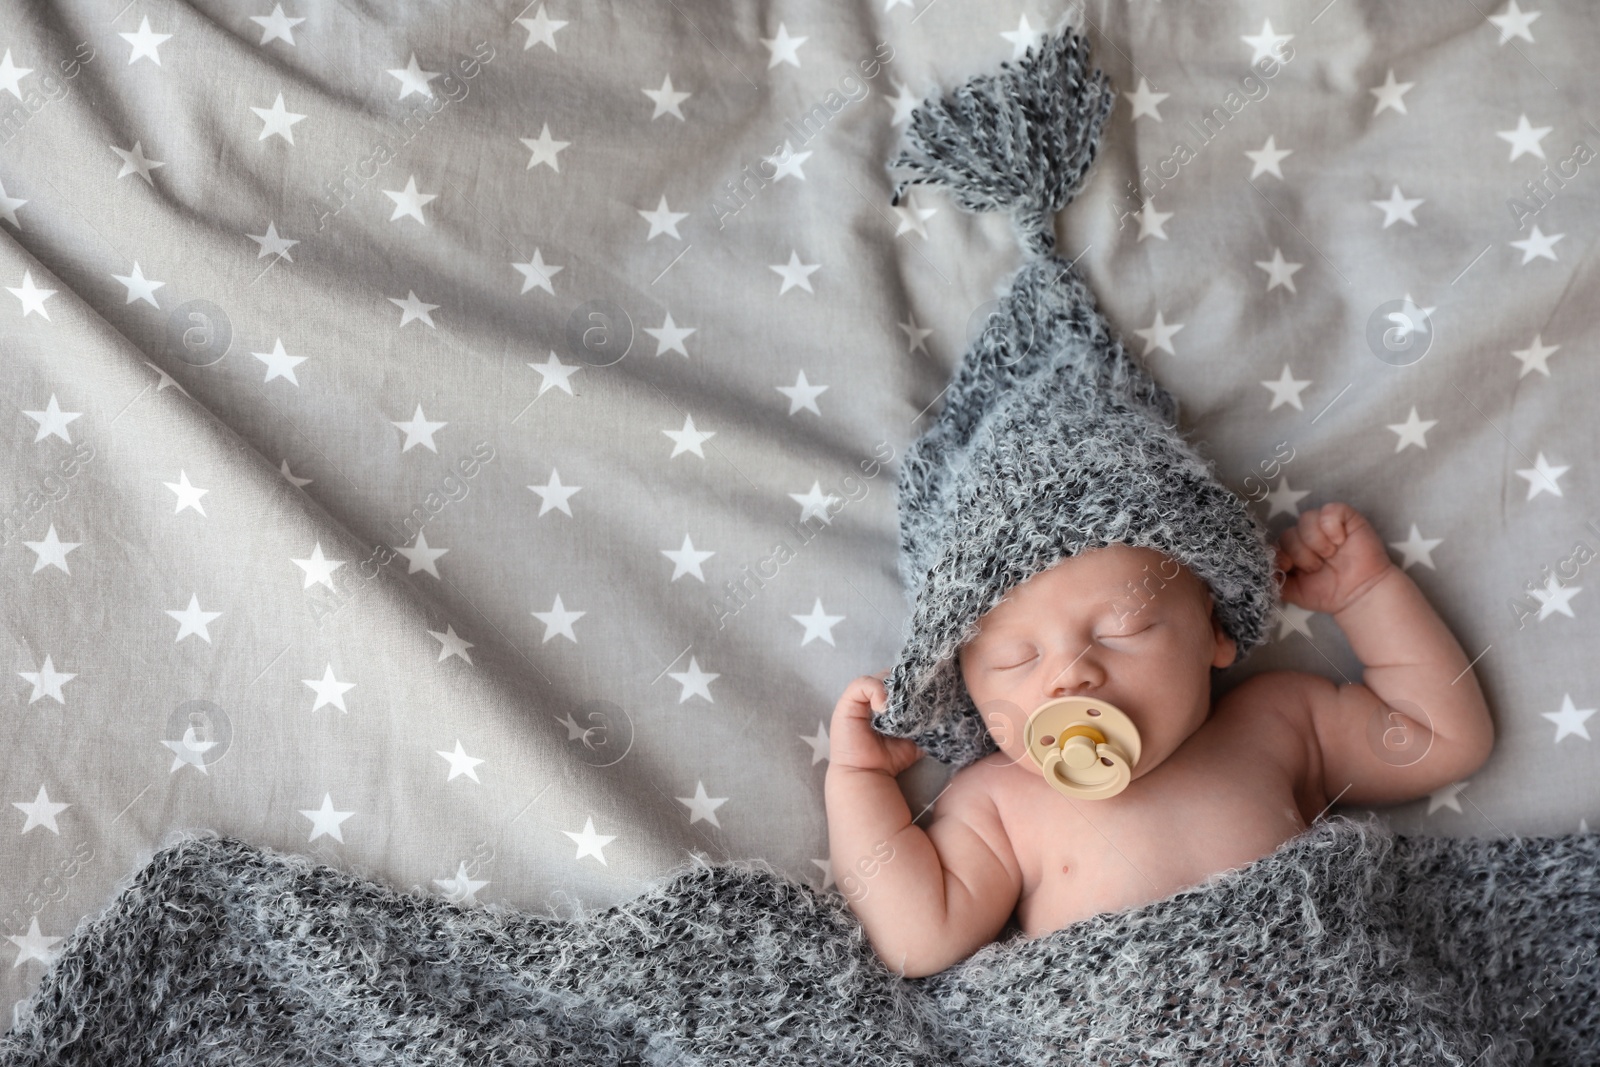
1331	558
853	743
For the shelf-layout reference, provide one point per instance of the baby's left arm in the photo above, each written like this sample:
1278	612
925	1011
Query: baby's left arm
1420	721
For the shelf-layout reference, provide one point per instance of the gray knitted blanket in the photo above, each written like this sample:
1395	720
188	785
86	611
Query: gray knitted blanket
1349	944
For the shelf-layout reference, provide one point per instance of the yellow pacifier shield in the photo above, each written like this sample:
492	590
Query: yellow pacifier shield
1086	748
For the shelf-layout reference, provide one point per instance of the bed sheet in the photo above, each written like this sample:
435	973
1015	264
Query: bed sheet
458	441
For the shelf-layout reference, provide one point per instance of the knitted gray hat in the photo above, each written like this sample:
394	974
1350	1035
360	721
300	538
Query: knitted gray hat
1053	439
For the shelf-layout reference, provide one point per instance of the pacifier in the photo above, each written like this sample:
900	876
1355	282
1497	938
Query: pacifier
1086	748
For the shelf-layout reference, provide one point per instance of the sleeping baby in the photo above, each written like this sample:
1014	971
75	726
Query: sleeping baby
1216	785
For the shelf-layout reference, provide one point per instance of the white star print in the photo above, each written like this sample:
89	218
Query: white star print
1266	43
1535	357
541	29
912	216
1279	271
666	100
145	42
1144	101
685	560
1524	138
1570	719
662	220
1266	158
11	75
188	495
555	374
46	682
33	945
32	296
276	120
419	557
1542	478
279	363
419	431
1292	617
1555	597
794	273
904	102
537	272
412	308
688	439
461	763
329	689
40	812
8	207
283	469
1445	797
165	379
1417	549
543	149
462	889
1412	431
272	244
784	49
318	568
1390	94
139	287
408	201
451	645
817	624
1022	38
553	495
53	421
276	25
325	820
1514	22
413	79
1285	498
787	161
703	807
802	394
1397	208
818	743
914	334
189	752
52	551
1286	389
134	162
814	502
193	621
695	681
827	872
1538	245
1159	335
1151	221
670	336
558	620
590	843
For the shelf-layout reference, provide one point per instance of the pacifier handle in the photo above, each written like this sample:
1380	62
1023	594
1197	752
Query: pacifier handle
1086	748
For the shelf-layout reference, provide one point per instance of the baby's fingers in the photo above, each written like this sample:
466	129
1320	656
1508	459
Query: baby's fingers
1293	542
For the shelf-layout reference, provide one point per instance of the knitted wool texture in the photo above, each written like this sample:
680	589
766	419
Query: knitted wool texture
1348	944
1052	439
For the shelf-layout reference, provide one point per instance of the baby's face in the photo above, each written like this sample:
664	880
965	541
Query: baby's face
1130	626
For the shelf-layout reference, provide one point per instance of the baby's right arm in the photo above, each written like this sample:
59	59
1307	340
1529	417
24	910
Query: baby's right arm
926	899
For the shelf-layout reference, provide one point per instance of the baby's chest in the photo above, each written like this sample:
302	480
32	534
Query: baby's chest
1213	808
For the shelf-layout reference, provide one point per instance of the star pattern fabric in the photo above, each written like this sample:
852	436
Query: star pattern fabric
467	445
